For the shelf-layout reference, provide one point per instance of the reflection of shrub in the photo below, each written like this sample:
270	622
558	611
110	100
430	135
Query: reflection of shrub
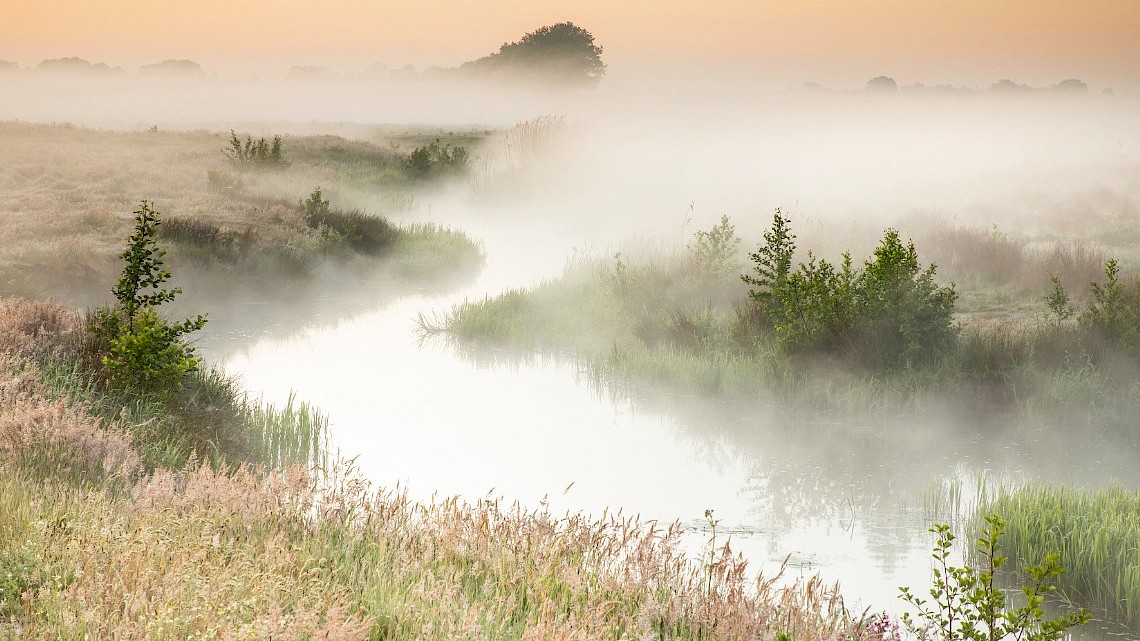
432	160
889	314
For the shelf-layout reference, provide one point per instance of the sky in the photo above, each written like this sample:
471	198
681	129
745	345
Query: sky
838	42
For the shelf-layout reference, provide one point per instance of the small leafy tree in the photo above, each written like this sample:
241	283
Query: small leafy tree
1114	313
142	349
1059	302
904	316
773	263
714	251
966	605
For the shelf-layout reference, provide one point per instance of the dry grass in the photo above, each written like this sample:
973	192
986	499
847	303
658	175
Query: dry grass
93	544
975	257
203	555
67	194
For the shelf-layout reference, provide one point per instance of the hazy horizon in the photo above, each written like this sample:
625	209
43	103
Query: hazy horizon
970	44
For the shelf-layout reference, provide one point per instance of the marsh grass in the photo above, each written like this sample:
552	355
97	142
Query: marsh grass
279	437
1095	532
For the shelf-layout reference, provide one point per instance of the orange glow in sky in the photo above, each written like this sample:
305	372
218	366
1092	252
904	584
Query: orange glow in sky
958	41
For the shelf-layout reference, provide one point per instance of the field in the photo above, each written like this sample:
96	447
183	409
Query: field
264	532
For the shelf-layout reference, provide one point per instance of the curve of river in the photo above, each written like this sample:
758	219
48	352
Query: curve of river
842	496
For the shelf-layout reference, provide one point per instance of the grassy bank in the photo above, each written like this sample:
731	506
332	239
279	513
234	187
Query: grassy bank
684	320
129	517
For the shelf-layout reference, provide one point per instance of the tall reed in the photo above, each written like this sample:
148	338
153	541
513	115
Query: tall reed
1096	532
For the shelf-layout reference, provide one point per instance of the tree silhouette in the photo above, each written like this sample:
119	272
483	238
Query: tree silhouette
883	84
562	53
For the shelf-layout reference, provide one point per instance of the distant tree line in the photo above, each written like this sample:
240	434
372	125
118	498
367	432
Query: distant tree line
886	84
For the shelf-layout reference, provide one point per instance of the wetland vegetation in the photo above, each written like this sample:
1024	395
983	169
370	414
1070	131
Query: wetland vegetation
115	433
785	324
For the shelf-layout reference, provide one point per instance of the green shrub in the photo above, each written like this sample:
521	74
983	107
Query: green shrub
715	251
1114	313
966	605
361	232
260	152
432	160
904	316
890	314
142	349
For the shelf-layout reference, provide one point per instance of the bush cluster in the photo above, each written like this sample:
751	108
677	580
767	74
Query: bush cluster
432	160
260	153
888	314
355	229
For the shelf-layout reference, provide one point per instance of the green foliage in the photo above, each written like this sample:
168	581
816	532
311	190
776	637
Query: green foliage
1114	313
563	52
888	315
904	316
773	262
256	153
432	160
715	251
1095	532
355	229
315	206
1059	302
142	350
966	605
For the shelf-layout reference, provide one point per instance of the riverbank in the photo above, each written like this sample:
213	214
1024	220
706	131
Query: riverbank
105	538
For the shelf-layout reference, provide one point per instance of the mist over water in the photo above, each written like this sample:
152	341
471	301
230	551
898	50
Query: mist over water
649	159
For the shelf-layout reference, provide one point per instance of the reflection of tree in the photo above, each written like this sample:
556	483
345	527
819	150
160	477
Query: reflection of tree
816	470
244	311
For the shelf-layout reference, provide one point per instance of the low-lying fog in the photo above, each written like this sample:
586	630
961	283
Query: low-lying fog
651	159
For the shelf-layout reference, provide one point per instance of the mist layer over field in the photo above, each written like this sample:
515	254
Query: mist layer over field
623	173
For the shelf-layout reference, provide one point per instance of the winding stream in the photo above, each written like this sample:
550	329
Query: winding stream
842	496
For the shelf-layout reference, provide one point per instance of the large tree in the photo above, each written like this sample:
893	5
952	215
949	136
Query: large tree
562	53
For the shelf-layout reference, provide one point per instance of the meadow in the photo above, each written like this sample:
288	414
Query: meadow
68	193
264	532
